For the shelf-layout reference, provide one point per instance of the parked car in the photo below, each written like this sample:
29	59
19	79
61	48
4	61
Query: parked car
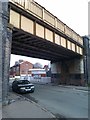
22	86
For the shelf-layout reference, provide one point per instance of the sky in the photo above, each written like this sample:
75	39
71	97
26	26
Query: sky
73	13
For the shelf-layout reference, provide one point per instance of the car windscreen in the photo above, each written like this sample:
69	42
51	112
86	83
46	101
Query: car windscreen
23	82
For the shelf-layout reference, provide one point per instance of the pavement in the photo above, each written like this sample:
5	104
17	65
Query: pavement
21	107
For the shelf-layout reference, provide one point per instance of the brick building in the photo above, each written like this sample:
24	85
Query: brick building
20	68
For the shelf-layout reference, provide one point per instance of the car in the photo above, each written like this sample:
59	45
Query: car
22	86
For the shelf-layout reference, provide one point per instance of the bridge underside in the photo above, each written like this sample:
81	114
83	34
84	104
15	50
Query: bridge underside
26	44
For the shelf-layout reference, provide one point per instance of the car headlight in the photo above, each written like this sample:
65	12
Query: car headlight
23	88
32	86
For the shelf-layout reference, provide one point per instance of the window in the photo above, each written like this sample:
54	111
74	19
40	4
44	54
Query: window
23	82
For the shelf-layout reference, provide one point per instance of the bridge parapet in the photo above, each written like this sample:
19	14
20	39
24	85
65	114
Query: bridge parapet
40	12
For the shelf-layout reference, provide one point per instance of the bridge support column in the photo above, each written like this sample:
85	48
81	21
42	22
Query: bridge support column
6	66
56	72
75	72
5	43
70	72
80	68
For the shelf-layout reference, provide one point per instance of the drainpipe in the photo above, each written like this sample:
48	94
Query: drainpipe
85	70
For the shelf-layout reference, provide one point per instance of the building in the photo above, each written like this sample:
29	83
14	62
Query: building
37	73
86	41
20	68
26	70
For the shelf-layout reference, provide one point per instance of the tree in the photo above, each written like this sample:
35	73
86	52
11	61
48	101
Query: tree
37	65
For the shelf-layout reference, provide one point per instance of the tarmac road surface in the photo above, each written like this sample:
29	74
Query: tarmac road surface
62	102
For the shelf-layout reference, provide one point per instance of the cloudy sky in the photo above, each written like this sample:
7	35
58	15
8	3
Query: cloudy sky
74	13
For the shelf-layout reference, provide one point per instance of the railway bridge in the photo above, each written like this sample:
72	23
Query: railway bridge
35	32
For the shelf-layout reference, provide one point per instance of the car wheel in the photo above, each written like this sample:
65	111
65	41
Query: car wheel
32	91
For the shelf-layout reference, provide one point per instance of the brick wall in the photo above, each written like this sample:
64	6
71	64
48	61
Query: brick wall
19	69
25	66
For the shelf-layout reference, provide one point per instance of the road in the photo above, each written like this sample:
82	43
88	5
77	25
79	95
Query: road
62	102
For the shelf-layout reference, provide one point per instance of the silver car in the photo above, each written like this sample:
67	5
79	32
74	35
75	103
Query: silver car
22	86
